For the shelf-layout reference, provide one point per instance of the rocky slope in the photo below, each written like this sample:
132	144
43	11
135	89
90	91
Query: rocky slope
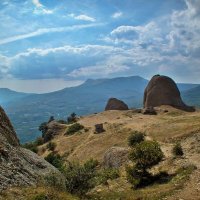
18	166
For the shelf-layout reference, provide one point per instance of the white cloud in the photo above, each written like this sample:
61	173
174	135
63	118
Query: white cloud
43	31
82	17
117	15
37	3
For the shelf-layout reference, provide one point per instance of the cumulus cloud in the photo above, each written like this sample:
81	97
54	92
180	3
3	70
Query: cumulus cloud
117	15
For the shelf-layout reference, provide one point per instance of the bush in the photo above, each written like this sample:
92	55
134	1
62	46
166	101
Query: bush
79	178
74	128
51	146
43	128
72	118
135	138
107	174
51	119
177	150
39	141
56	160
145	155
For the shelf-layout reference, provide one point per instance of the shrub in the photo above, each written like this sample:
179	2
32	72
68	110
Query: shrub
40	197
145	155
79	178
51	119
72	118
107	174
74	128
39	141
43	128
56	160
51	146
135	138
177	150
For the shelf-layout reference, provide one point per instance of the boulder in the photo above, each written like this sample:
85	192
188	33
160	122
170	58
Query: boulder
115	157
99	128
149	111
19	166
162	90
116	104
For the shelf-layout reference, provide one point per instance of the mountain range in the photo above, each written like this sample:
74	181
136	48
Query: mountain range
28	111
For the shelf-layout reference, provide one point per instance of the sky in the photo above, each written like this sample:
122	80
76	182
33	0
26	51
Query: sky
46	45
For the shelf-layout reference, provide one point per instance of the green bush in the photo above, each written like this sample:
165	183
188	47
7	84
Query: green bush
144	156
56	160
135	138
107	174
51	146
74	128
79	179
39	141
177	150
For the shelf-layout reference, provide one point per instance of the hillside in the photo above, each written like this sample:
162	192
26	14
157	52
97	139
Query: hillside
8	96
166	127
27	113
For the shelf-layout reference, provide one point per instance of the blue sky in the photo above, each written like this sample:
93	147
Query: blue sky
47	45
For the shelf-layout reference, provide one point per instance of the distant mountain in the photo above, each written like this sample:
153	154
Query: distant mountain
7	95
29	111
192	96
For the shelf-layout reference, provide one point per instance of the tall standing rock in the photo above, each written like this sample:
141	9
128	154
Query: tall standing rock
116	104
162	90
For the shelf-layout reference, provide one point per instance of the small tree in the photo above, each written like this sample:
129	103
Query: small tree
56	160
43	128
51	119
177	150
74	128
145	155
72	118
135	138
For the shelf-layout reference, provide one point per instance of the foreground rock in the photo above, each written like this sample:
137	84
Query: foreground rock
115	157
162	90
19	166
116	104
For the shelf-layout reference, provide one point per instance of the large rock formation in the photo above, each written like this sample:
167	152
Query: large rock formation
19	166
162	90
116	104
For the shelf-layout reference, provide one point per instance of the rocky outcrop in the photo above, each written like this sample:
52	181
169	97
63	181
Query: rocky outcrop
53	128
115	157
116	104
162	90
19	166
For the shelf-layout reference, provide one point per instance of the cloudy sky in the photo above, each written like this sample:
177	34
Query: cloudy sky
47	45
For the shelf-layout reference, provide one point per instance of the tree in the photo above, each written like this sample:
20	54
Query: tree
145	155
51	119
71	118
43	128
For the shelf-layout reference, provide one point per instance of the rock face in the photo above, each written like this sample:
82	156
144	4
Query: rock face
19	166
116	104
162	90
115	157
